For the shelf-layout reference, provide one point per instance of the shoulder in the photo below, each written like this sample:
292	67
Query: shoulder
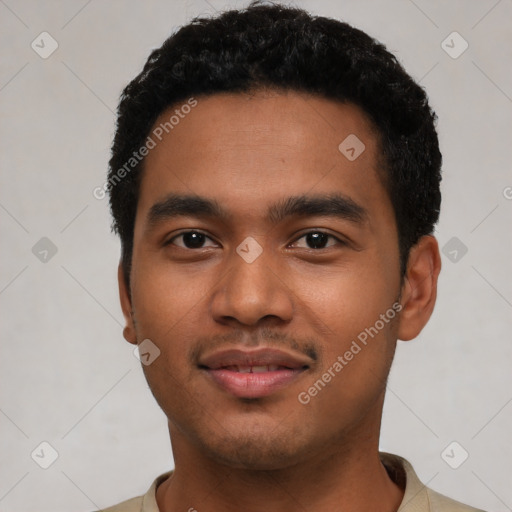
441	503
145	503
417	496
133	505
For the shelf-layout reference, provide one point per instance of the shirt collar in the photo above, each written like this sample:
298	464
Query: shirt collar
399	469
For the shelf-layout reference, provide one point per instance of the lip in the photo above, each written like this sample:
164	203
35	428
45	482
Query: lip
222	368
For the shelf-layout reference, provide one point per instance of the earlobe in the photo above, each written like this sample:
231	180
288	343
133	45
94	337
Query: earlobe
126	306
419	290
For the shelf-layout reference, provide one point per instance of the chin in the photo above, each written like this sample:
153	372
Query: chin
263	450
251	455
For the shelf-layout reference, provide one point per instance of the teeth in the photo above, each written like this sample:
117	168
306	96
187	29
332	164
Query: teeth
254	369
259	369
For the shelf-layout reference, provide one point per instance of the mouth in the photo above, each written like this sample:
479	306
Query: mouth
253	374
255	369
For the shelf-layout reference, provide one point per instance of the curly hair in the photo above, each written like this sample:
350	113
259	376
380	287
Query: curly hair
284	48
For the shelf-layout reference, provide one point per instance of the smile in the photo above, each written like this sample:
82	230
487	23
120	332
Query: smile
253	374
254	381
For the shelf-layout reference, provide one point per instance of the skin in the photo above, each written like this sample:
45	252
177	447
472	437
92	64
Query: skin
248	151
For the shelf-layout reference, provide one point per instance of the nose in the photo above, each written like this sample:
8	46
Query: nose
251	292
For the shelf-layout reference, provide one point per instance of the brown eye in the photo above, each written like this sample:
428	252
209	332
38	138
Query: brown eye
190	240
318	240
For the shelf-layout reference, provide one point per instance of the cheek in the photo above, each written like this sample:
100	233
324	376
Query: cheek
353	307
165	297
358	343
167	301
346	299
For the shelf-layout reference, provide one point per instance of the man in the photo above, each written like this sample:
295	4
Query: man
275	183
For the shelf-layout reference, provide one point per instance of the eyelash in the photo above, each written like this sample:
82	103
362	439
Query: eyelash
340	242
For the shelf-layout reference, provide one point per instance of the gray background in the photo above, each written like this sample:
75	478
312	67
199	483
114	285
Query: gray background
67	376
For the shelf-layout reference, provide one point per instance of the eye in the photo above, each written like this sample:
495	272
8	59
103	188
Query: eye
190	240
318	240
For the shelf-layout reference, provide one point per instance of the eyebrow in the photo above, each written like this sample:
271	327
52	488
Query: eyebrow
331	205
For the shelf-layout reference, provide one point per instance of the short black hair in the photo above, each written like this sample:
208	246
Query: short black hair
285	48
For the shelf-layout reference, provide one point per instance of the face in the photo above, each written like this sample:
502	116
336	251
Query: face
266	272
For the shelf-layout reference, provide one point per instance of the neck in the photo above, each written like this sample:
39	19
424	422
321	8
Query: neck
348	476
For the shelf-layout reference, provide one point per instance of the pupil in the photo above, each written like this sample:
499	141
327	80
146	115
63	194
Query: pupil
317	240
193	239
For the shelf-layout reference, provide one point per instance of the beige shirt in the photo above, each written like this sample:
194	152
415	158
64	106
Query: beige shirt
417	497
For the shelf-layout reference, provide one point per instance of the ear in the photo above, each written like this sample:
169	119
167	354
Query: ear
126	306
419	290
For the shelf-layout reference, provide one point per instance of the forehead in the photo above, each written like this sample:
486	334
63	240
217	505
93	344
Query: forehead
250	150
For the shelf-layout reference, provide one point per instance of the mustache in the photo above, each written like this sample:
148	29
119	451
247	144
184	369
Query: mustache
262	337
